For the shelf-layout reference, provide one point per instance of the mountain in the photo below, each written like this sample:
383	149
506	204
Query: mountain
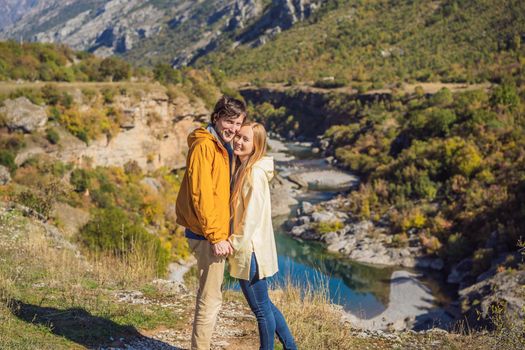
383	41
373	42
156	30
12	10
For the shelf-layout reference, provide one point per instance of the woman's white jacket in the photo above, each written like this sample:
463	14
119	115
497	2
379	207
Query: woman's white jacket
252	225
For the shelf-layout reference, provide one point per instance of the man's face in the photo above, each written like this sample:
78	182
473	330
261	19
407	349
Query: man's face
227	128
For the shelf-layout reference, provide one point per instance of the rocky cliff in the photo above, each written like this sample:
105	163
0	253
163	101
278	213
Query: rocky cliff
152	133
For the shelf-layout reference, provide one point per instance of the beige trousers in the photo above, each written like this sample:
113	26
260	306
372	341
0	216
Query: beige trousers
209	295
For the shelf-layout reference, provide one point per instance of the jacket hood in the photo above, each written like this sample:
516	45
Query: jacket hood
198	134
266	164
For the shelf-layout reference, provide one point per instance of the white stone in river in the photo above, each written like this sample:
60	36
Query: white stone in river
329	178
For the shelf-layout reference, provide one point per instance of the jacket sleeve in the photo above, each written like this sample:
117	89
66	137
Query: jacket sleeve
201	188
256	196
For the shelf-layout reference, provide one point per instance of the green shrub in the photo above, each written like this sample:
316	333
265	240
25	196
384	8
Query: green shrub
505	96
52	136
111	230
36	201
324	227
51	94
7	159
66	100
166	74
109	95
442	98
13	142
33	95
115	69
331	83
42	199
89	94
80	180
400	240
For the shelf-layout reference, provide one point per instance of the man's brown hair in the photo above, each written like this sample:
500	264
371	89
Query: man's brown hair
229	108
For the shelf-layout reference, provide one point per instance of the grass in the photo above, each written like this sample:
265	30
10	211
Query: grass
50	298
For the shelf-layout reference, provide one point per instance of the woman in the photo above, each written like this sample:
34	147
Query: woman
255	255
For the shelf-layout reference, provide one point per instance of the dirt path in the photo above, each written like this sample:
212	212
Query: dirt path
428	88
235	330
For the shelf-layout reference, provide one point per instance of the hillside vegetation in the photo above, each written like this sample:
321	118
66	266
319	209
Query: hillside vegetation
382	41
449	168
48	62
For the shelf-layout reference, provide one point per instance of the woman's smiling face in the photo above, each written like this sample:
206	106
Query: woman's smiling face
243	143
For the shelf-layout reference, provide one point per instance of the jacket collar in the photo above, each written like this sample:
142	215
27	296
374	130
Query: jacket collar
226	145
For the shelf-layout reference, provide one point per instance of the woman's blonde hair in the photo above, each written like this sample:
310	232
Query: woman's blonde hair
243	170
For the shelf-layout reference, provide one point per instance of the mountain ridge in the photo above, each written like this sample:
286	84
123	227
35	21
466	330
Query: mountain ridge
147	32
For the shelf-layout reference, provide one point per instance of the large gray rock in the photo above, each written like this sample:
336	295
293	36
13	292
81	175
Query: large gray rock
324	216
330	238
5	176
362	228
460	271
337	246
299	230
22	114
504	288
307	208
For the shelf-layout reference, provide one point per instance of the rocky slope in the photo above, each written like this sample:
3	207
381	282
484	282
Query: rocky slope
12	10
178	31
152	131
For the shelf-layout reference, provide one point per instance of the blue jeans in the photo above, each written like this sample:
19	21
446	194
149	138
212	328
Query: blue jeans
269	319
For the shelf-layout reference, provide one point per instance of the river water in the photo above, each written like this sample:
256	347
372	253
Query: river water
362	290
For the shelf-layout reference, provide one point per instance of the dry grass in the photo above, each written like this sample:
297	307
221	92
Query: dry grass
129	270
71	298
316	323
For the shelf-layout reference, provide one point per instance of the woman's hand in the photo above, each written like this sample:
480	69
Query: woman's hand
222	248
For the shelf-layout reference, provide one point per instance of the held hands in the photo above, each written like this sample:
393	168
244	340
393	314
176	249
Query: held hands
222	248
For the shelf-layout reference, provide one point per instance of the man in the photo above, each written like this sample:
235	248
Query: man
203	209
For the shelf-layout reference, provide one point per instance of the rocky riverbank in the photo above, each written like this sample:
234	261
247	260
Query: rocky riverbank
359	240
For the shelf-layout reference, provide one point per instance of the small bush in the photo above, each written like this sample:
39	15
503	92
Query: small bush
42	200
7	159
331	83
80	180
50	94
328	226
166	74
400	240
431	244
52	136
115	69
109	95
111	230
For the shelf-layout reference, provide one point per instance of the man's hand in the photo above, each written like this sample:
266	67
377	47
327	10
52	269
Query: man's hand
222	248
